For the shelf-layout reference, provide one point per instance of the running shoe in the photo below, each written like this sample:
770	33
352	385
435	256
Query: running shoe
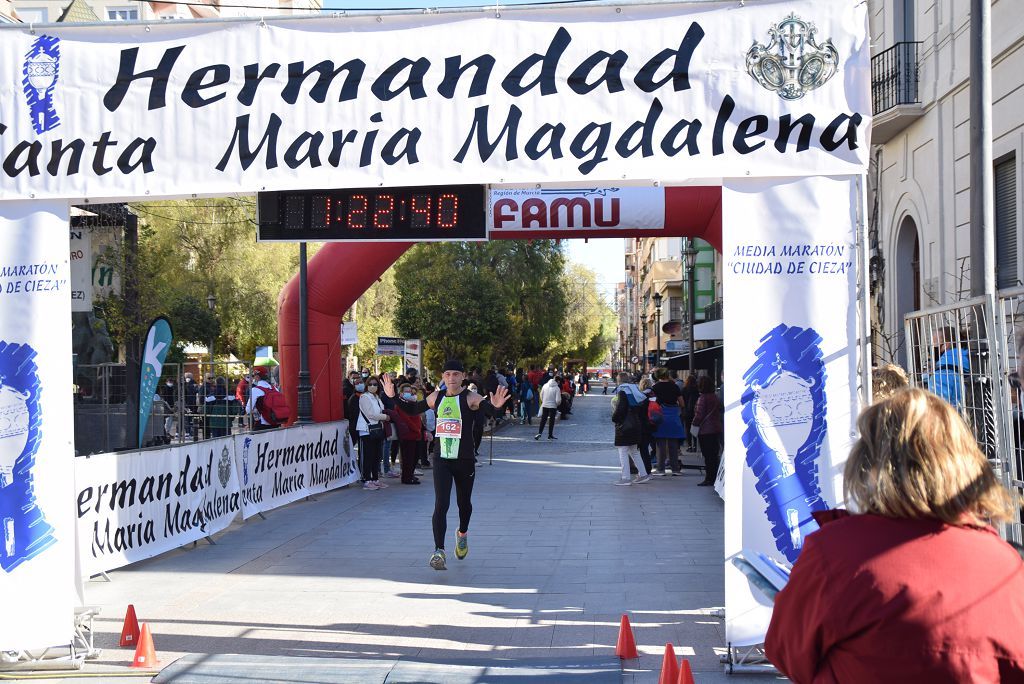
370	485
437	560
552	437
536	437
461	545
642	480
381	485
622	483
392	473
417	472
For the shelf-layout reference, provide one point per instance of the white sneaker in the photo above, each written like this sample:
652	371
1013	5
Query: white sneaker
381	485
370	485
392	473
417	473
642	480
622	483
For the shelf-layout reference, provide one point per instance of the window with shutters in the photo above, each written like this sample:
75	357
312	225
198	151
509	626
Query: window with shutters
1006	222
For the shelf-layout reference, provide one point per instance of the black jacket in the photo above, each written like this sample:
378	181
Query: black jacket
629	420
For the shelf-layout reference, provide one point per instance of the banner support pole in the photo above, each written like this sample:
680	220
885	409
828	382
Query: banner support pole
305	399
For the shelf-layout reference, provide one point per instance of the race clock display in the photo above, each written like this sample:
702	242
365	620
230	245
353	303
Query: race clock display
433	213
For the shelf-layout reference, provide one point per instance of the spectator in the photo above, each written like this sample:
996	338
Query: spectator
916	587
691	393
257	391
951	365
670	432
410	433
629	413
369	423
191	392
707	420
647	440
887	380
220	410
527	401
550	398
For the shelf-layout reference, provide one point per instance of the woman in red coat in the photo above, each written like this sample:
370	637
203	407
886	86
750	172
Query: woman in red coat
917	587
410	433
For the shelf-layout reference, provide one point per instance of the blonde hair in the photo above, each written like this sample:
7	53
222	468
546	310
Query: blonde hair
887	380
916	458
645	384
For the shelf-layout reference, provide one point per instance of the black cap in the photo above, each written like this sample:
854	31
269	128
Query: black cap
453	365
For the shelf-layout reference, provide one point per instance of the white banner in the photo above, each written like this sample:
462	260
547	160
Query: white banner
37	586
281	466
135	505
790	370
390	346
660	92
349	332
609	208
413	355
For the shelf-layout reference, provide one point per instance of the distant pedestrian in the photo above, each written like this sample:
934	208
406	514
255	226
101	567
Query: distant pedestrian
604	385
708	422
410	434
527	398
629	413
952	365
260	421
690	393
550	398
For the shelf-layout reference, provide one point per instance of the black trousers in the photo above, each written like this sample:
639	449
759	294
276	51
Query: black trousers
711	449
546	414
461	472
370	451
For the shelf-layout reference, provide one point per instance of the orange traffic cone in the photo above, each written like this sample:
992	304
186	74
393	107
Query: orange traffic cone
669	666
130	631
626	648
145	655
685	675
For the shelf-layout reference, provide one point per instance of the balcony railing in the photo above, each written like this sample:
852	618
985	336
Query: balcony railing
713	311
894	77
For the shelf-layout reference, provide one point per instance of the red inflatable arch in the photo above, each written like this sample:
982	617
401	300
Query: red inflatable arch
342	271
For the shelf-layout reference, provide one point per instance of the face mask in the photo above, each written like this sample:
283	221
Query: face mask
365	375
371	388
169	384
408	396
360	387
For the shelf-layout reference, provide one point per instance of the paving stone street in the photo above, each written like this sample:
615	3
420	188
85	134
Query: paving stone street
557	555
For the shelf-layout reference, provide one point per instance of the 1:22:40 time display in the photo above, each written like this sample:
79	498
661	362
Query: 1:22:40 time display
386	210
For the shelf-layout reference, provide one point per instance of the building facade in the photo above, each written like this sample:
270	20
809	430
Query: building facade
920	206
655	272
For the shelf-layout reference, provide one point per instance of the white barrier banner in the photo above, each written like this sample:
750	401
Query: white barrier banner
608	208
138	504
660	92
790	371
37	543
281	466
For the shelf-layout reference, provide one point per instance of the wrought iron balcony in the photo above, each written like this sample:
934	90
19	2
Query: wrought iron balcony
894	77
713	311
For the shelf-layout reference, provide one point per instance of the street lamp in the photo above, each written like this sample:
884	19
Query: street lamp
643	340
211	302
690	253
657	327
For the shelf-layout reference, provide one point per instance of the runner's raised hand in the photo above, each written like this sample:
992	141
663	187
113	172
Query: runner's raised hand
499	397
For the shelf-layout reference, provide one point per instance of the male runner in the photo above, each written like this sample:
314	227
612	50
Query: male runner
458	410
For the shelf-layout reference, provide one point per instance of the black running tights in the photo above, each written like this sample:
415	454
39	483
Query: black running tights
446	471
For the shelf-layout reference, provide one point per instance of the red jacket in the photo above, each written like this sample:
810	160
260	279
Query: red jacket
874	599
409	427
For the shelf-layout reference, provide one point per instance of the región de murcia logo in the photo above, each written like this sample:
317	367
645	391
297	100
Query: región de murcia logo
792	63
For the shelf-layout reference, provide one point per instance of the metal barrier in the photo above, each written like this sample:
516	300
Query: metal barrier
200	403
1010	312
965	353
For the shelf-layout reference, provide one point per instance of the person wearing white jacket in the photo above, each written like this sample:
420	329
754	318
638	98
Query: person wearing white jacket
550	398
371	447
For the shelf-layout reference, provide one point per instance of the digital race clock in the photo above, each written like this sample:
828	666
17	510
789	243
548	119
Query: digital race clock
423	214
